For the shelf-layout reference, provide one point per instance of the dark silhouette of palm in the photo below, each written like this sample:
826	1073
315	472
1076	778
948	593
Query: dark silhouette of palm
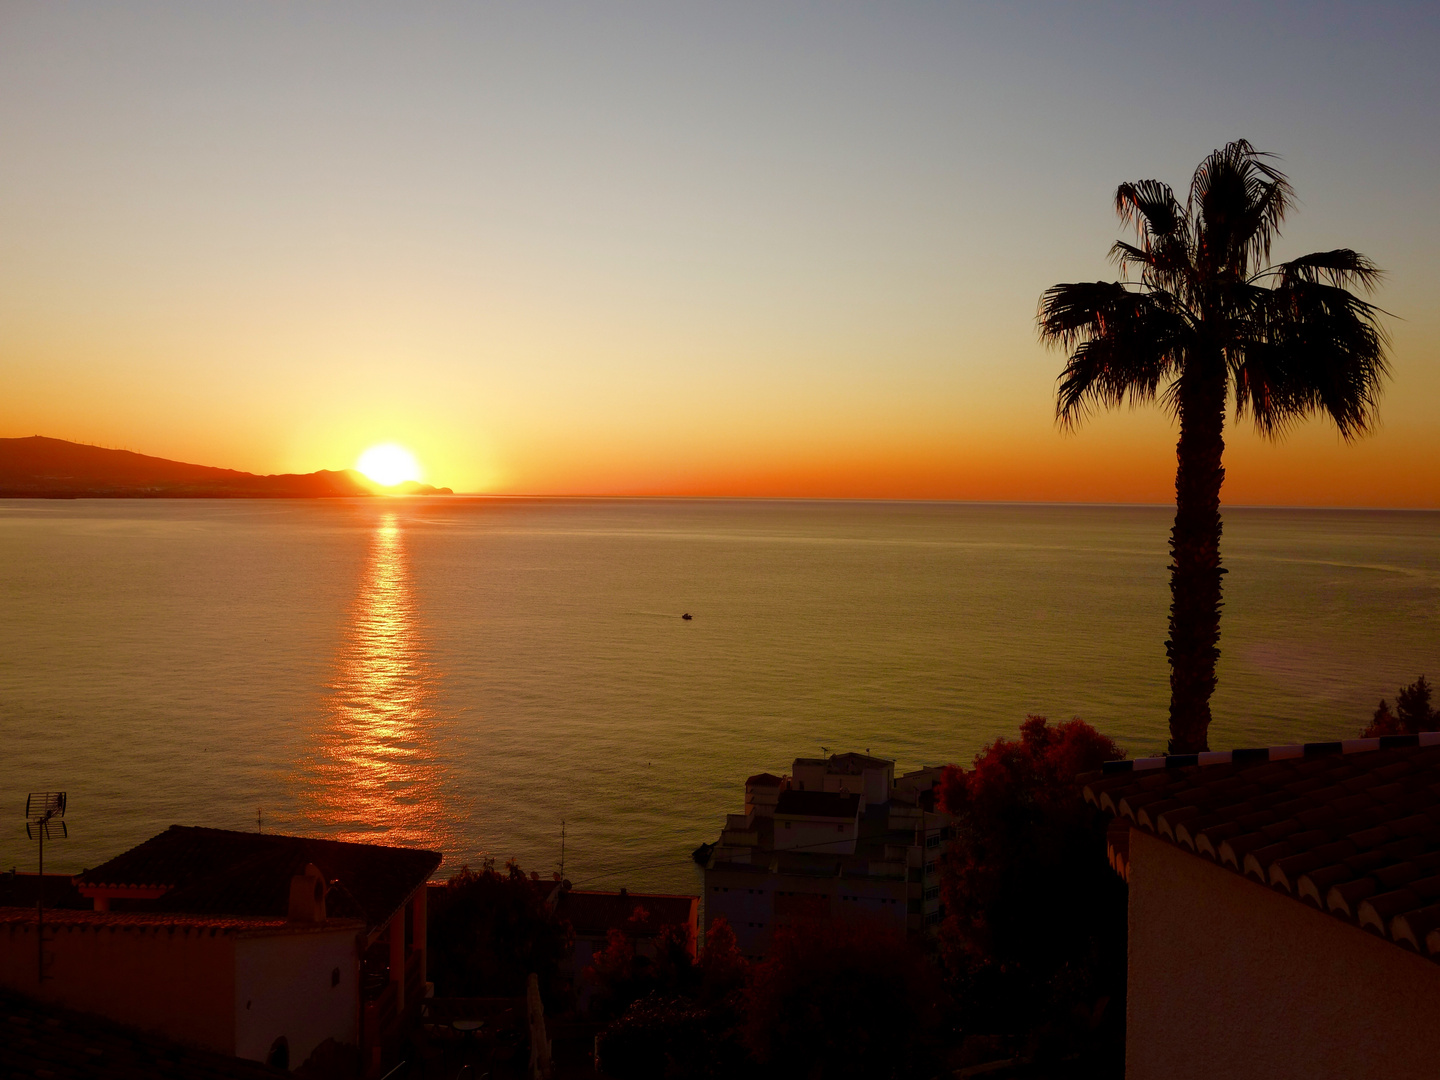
1208	316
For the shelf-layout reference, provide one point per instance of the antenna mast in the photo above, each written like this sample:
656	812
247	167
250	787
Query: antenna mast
44	817
562	849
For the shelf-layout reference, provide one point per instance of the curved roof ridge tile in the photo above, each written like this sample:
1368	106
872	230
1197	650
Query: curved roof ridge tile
1285	752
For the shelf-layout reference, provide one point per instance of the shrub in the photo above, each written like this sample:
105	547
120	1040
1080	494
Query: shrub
1035	927
660	1037
1412	713
488	930
842	999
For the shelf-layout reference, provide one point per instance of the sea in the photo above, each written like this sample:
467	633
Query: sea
513	678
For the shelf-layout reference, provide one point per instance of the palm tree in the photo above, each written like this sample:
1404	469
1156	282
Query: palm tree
1208	315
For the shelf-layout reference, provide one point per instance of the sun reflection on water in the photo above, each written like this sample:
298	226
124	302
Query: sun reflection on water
373	774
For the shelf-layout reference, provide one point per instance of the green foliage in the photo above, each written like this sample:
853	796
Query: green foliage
1412	713
673	1017
1035	927
489	930
844	999
620	975
661	1037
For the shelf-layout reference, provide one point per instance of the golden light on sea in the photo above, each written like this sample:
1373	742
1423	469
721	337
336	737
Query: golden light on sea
374	769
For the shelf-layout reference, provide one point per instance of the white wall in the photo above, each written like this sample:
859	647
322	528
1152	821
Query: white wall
1230	979
283	987
176	981
747	902
808	777
815	835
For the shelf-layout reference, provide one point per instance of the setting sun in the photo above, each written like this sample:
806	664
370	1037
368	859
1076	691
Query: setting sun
389	464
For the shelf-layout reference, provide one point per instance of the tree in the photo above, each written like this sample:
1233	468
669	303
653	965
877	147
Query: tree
844	998
1034	933
1208	316
680	1018
489	930
1412	713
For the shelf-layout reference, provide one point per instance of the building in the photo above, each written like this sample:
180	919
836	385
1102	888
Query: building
838	837
1284	909
42	1040
249	944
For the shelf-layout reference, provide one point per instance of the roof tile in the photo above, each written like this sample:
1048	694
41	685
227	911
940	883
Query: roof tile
1350	827
220	872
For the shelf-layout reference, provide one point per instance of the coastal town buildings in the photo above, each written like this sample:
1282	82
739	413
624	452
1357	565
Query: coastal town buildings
253	945
838	837
1284	909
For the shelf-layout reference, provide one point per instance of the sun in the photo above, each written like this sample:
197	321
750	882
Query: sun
388	464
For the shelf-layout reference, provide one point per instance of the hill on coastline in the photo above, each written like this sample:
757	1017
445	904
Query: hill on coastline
40	468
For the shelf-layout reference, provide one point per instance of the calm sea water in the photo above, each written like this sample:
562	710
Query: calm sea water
468	673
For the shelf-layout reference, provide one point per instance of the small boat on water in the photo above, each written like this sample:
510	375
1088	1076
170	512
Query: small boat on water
687	616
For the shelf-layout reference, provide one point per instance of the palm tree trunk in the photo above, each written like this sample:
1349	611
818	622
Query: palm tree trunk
1195	570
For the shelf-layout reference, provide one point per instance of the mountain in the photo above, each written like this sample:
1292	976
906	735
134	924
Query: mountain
41	468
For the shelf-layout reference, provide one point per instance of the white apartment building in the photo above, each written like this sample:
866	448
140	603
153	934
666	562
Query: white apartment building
838	837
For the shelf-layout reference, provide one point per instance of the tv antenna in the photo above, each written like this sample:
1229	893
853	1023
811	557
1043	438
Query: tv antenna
44	820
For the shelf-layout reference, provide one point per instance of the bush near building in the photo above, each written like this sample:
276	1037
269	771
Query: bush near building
489	929
1035	928
680	1019
845	999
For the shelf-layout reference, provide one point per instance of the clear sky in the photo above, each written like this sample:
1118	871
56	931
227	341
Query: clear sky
673	248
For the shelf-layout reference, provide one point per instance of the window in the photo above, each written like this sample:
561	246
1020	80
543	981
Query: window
932	892
839	828
932	841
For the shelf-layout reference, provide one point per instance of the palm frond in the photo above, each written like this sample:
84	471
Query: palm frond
1343	268
1122	344
1239	201
1314	348
1072	312
1151	207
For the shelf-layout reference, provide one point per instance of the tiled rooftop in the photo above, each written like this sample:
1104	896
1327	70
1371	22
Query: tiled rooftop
1351	828
764	779
45	1041
219	872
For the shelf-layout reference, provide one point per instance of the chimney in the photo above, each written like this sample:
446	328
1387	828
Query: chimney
307	896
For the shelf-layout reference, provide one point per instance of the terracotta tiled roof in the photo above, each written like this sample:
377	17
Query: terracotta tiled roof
45	1041
1351	828
219	872
826	804
593	913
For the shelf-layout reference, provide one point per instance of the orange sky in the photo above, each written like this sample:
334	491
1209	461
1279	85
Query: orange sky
741	250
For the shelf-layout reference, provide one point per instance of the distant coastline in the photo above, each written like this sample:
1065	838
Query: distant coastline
38	467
